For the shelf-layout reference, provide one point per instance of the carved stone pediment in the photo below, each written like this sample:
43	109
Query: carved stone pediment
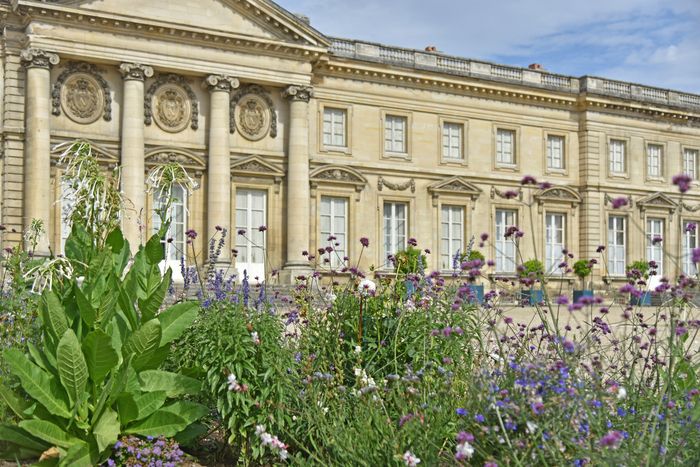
186	159
255	166
103	154
455	185
657	200
337	174
560	194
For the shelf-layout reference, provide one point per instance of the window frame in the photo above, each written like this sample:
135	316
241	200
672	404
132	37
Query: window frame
650	249
564	169
551	266
694	149
450	254
625	231
499	239
386	264
336	260
625	157
387	154
687	250
331	149
661	176
502	166
463	129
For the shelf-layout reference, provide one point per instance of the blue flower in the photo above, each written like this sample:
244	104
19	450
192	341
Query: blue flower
462	412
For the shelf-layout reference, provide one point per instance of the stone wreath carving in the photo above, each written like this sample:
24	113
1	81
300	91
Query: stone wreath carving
253	113
396	186
172	104
82	94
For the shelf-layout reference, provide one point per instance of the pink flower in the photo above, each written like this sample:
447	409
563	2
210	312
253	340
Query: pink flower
617	203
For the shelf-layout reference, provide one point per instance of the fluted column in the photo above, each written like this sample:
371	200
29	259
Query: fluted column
219	166
37	159
133	152
298	175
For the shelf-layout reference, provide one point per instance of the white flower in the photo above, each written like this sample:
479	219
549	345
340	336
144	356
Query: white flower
358	371
358	349
621	393
254	336
331	297
464	451
531	427
259	429
233	384
266	438
367	287
410	459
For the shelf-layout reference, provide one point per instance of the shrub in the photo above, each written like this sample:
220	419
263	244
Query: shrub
639	268
410	261
582	269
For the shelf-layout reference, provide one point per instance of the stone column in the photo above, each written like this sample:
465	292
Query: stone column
37	159
298	176
133	152
219	164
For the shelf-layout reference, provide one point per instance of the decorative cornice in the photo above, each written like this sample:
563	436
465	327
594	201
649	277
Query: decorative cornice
135	71
87	68
382	182
298	93
221	83
38	58
259	91
657	200
171	79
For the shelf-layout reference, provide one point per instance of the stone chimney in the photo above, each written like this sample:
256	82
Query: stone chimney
431	48
535	66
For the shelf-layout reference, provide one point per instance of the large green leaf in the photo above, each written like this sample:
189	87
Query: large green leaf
160	423
13	401
53	434
79	455
150	306
149	402
172	384
106	430
108	300
53	315
87	312
126	305
79	246
38	384
20	438
154	250
100	356
43	359
190	411
176	319
143	343
72	368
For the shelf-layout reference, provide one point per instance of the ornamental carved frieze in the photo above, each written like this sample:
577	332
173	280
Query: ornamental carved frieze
338	175
382	182
172	104
82	94
253	113
166	155
456	187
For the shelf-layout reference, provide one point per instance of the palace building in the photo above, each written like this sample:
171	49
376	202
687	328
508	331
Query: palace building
315	136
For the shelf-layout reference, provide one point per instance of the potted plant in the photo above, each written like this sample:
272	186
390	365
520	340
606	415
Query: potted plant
636	271
582	269
409	261
530	272
476	290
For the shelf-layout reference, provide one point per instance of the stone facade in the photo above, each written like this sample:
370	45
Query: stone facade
306	134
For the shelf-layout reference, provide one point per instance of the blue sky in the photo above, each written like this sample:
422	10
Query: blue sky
652	42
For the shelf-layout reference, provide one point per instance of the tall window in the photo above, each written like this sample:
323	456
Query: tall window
617	156
654	160
174	240
395	220
452	140
451	234
251	207
395	134
505	247
555	152
690	162
334	223
554	241
67	206
690	241
505	146
616	245
334	127
655	249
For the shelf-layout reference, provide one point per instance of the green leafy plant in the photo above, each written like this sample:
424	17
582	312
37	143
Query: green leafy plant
95	374
410	261
474	255
641	266
582	269
532	267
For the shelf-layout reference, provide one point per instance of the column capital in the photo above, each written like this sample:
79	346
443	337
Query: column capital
38	58
221	83
298	93
135	71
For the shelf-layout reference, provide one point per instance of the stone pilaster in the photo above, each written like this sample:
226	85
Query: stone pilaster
133	152
219	164
298	176
37	161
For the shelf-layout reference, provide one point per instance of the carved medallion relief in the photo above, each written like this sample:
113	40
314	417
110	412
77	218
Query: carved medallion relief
253	113
172	109
82	94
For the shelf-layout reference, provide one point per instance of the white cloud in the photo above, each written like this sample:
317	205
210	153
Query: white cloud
649	41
